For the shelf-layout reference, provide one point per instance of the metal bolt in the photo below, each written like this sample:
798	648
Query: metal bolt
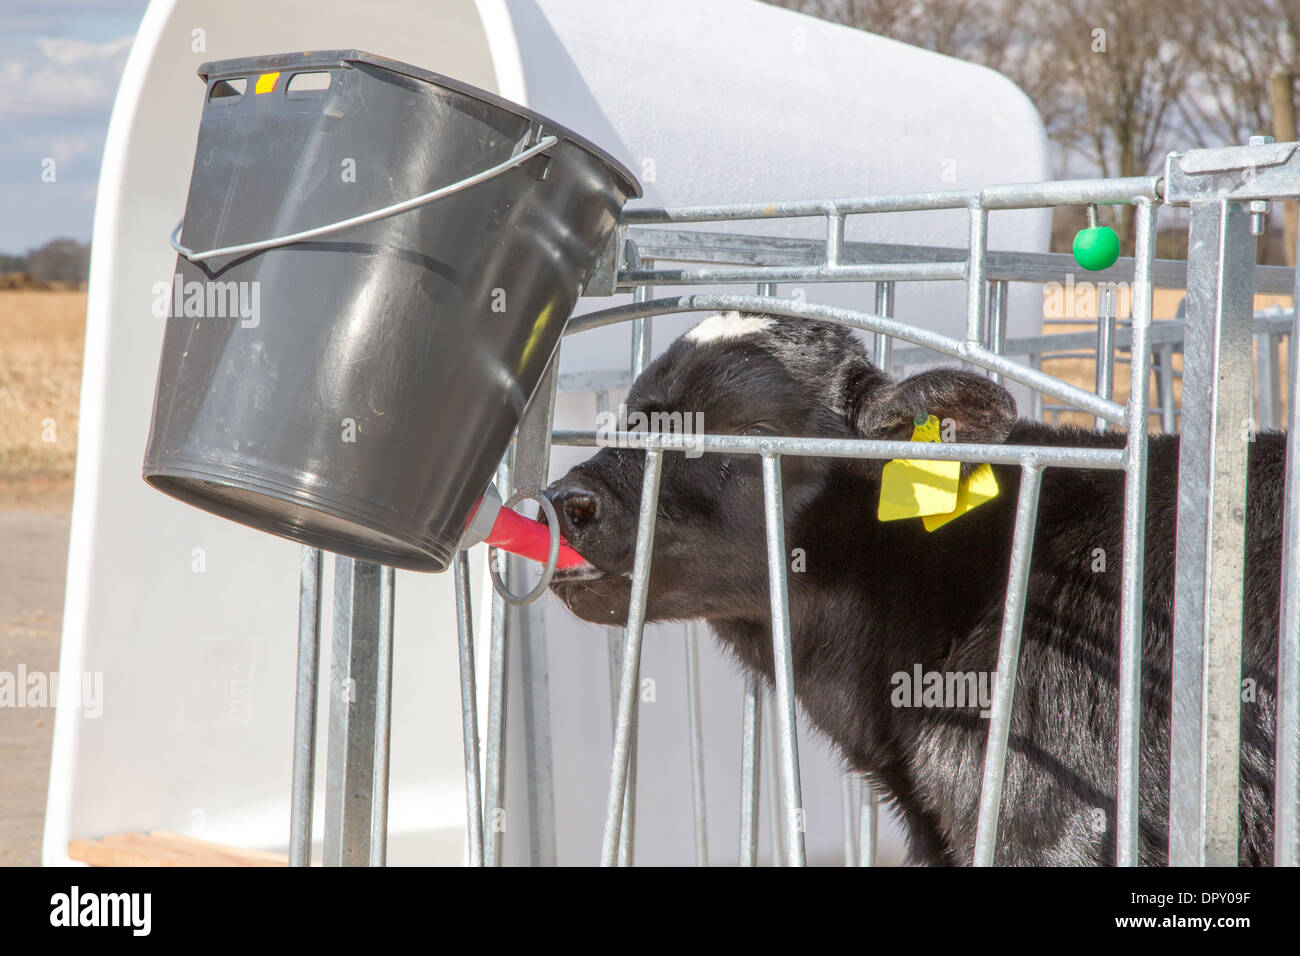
1259	207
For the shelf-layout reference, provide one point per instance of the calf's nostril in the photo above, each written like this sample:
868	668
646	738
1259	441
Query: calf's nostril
579	508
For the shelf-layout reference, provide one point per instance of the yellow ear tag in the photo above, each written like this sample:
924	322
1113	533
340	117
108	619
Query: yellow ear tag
912	488
981	486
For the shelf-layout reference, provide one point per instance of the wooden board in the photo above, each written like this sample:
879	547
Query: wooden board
161	848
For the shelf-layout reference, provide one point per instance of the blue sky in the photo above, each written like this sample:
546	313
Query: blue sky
60	62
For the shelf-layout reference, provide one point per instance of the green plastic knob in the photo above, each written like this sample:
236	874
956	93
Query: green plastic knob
1096	248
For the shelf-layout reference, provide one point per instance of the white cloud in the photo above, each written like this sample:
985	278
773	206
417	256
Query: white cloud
61	76
65	148
71	50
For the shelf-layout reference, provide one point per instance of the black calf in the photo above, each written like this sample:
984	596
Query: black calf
879	607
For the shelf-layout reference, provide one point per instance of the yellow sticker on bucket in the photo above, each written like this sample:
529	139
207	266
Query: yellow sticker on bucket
911	488
266	82
981	486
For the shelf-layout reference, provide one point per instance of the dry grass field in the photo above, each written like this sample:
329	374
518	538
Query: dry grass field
41	336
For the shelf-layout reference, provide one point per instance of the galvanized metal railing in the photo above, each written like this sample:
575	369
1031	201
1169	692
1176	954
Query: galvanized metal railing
1221	277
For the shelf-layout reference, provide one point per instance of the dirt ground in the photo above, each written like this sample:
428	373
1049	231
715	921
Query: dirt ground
41	337
33	559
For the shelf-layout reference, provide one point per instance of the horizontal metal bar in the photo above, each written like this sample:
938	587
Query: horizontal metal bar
1010	196
1161	332
1044	455
900	272
596	380
725	248
969	352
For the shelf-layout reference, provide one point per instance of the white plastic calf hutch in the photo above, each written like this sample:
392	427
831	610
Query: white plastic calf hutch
191	618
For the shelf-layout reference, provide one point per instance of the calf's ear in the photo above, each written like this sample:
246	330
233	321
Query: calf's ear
970	408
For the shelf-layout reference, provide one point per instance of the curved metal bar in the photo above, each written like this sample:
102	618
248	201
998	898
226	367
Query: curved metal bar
969	352
330	228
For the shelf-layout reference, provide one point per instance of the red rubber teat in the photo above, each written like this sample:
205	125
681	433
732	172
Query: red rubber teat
530	539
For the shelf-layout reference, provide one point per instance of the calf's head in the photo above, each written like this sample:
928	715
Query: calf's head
737	374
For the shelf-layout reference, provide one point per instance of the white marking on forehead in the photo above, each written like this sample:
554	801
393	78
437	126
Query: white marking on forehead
727	325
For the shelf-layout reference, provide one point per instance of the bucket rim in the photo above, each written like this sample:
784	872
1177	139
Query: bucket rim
237	66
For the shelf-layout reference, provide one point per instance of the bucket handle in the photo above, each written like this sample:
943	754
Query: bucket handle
545	143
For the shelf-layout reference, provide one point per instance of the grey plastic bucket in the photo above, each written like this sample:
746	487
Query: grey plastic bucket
354	387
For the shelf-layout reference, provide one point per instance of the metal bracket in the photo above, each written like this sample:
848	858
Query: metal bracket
1236	173
604	273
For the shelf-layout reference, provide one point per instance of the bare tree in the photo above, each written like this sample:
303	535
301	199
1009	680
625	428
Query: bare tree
1125	64
1107	76
60	260
1238	47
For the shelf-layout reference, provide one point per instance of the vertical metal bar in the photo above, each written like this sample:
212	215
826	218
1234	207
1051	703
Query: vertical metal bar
494	777
849	812
627	843
383	717
642	344
995	754
613	635
1036	397
627	830
1135	500
750	739
783	655
867	816
530	469
469	711
304	716
1105	347
1270	388
882	345
997	330
1211	536
777	848
1165	383
976	248
1286	828
628	685
834	239
1279	373
531	634
641	328
696	729
354	673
